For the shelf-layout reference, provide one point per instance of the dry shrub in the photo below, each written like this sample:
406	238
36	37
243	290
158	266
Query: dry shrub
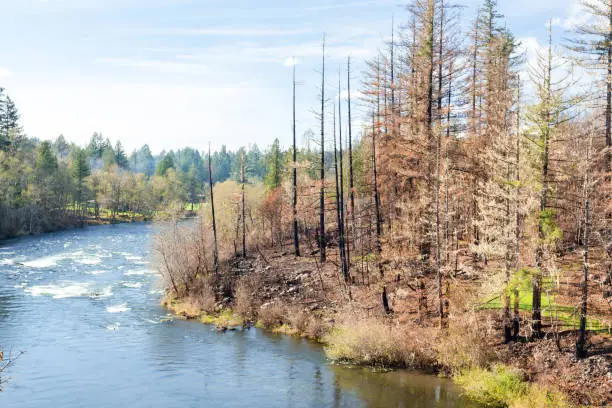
316	328
299	319
374	342
272	315
463	344
203	292
246	302
183	254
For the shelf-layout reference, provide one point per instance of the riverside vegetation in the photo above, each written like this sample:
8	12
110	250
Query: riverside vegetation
466	231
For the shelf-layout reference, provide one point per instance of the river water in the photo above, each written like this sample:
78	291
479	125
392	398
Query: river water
83	306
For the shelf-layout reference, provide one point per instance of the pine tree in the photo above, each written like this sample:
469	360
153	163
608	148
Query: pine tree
79	170
120	157
550	111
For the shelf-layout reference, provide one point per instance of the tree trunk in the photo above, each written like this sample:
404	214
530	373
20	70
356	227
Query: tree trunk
214	221
322	238
350	148
385	301
339	211
343	246
580	343
296	241
243	212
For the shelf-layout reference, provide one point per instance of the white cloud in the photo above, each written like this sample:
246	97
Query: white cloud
576	15
228	31
5	73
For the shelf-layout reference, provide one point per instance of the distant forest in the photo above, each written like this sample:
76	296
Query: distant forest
49	185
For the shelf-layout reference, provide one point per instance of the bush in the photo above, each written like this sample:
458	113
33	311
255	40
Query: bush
271	316
245	296
492	388
299	319
462	345
372	342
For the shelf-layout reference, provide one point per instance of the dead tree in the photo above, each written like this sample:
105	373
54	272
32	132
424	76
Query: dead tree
296	241
322	238
243	209
343	245
350	149
580	343
214	221
343	265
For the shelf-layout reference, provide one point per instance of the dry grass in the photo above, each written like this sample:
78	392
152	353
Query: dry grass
272	315
373	342
246	302
463	344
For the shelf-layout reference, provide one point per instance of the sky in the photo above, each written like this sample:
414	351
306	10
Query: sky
177	73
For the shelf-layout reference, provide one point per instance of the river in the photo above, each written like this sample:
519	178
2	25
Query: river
83	306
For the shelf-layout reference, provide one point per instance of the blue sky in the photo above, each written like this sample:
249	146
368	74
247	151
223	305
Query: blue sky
175	73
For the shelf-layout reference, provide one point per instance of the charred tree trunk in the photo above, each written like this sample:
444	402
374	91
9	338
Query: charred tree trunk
350	149
385	300
343	245
580	343
214	221
343	265
322	238
517	221
296	241
244	254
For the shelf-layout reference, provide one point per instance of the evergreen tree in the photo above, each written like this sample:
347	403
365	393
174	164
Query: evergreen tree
79	171
274	163
46	161
166	164
120	157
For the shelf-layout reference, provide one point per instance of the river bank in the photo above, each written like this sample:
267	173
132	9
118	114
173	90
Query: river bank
102	329
298	296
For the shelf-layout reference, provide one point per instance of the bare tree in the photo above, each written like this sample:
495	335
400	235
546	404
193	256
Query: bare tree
296	241
214	221
322	238
580	343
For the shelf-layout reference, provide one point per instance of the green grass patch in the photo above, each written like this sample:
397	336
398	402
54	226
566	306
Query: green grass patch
568	316
225	318
503	386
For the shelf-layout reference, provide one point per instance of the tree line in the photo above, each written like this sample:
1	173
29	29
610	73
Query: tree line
47	185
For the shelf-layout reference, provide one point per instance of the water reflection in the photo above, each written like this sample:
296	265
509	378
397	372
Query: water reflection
401	389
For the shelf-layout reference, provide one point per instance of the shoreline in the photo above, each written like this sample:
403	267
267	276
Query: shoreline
283	294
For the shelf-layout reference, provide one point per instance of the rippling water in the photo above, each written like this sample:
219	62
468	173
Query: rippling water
83	305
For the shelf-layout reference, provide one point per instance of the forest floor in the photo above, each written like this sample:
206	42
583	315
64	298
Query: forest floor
286	288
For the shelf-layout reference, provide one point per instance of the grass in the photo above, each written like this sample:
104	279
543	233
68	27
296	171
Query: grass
567	315
503	386
196	206
225	318
190	310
